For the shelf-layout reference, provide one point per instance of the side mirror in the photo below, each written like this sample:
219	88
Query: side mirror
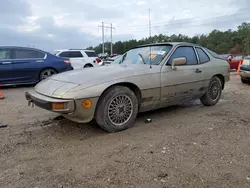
178	61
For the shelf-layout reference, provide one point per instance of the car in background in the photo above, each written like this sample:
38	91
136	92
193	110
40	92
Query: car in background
235	61
145	78
245	70
226	56
110	60
80	58
24	65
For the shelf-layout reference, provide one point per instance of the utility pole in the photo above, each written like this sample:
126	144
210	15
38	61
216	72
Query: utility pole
111	46
102	38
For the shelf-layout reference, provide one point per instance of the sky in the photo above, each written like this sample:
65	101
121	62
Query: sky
60	24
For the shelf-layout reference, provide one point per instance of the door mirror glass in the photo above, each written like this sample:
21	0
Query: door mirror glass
178	61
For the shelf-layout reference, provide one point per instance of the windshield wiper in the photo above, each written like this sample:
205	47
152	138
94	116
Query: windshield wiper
142	58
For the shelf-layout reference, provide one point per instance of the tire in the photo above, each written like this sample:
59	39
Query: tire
244	81
87	66
47	73
213	93
104	116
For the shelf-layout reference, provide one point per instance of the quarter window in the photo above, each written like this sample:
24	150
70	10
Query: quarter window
40	55
91	54
202	56
187	52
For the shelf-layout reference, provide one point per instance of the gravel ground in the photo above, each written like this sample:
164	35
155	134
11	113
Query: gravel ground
184	146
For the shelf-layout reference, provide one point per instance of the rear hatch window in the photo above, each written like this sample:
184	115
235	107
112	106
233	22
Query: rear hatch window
91	54
246	61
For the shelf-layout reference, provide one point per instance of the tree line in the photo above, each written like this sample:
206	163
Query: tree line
234	42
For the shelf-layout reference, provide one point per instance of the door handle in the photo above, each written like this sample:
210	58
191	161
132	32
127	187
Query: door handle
197	71
5	63
39	61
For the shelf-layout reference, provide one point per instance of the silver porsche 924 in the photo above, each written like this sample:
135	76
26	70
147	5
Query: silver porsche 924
144	78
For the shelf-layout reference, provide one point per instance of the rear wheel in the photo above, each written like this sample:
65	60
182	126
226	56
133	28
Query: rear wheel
213	93
88	66
244	81
47	73
117	109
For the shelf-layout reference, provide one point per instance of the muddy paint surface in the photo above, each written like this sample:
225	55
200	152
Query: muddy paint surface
184	146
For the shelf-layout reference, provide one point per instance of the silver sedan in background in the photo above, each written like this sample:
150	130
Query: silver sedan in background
144	78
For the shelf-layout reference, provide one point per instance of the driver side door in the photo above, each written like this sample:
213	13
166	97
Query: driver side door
186	81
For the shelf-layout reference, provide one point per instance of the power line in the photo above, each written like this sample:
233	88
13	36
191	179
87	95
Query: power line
240	11
178	25
187	21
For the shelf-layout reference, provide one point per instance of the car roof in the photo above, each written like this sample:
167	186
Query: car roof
21	47
168	43
74	49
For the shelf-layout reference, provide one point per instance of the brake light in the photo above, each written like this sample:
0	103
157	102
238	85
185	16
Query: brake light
67	62
98	60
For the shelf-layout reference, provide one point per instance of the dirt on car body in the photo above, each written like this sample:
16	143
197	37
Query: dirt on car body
184	146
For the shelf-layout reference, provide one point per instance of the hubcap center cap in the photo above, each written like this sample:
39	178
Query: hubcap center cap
121	110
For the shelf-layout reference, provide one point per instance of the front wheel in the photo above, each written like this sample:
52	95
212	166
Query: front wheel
213	93
117	109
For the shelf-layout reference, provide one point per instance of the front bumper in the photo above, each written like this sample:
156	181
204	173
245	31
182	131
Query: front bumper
47	102
73	107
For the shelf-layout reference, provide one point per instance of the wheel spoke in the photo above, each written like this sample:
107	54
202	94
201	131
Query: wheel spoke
120	109
47	73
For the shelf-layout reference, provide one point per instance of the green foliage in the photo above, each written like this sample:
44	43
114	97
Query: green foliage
219	41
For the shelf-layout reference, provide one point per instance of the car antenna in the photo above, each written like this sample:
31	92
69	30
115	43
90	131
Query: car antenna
149	25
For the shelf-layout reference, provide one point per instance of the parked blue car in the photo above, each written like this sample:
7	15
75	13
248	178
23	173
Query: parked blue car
23	65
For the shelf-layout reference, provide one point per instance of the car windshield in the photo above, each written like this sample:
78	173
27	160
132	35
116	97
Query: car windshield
143	55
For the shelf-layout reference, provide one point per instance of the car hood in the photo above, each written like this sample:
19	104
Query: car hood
58	85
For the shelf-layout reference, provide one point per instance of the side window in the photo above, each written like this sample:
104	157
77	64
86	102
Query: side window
25	54
187	52
64	54
202	55
75	54
5	54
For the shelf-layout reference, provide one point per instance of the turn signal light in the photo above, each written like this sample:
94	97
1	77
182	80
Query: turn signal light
58	106
86	104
